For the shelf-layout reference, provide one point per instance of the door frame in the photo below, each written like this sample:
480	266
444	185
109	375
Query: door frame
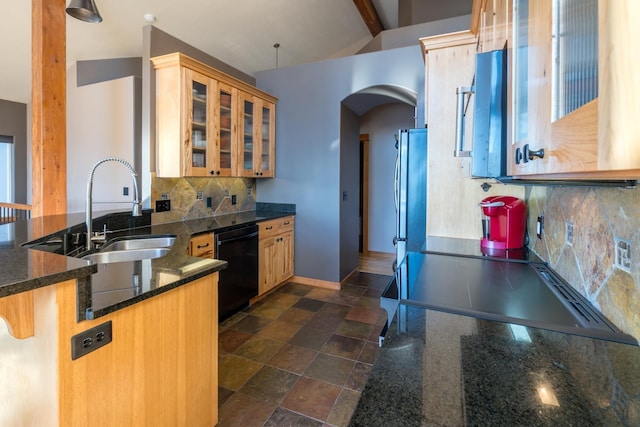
364	193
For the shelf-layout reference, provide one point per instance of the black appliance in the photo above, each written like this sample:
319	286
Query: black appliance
238	283
510	291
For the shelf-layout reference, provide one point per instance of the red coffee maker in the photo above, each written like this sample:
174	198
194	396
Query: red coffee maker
504	220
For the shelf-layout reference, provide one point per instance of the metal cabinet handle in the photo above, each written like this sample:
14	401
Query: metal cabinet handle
203	246
286	223
268	228
530	154
460	93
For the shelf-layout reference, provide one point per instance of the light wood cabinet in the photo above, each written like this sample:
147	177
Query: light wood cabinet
209	123
275	252
452	205
201	245
575	90
491	21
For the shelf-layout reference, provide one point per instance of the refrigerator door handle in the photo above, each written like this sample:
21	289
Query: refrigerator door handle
396	183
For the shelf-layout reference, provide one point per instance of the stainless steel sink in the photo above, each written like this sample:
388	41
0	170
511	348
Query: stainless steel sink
132	249
139	243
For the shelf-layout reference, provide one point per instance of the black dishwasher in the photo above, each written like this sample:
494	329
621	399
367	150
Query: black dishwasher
238	283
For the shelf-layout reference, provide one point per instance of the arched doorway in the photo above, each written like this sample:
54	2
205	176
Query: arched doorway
382	109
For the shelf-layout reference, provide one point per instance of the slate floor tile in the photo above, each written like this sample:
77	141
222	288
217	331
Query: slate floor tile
258	349
293	358
234	371
312	398
279	330
270	384
346	347
330	369
283	417
242	410
309	337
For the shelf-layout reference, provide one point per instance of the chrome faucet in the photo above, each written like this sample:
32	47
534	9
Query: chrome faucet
137	205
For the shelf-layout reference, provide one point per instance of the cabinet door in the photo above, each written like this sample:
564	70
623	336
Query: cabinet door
285	256
567	89
226	117
266	157
256	156
199	156
267	266
247	135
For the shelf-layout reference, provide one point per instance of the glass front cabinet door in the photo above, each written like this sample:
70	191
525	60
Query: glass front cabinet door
225	130
568	88
198	154
257	137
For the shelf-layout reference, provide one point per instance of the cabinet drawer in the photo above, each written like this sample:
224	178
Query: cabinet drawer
275	226
201	245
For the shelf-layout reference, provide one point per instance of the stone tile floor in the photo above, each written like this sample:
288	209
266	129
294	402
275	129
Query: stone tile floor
300	356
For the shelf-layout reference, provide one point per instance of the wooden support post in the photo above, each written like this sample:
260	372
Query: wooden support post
48	106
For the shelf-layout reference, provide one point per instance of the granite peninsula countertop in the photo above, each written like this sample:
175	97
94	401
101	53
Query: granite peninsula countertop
442	369
104	288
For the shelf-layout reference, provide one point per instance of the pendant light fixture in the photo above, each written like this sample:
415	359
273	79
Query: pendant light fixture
84	10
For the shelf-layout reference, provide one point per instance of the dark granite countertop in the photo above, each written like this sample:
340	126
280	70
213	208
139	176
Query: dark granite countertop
104	288
442	369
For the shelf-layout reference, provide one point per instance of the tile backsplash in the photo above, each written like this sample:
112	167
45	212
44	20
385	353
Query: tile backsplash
591	237
185	203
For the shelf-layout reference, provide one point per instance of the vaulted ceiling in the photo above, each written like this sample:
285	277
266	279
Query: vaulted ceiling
241	33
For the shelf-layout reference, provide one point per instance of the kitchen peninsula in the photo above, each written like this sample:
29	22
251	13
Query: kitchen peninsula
163	320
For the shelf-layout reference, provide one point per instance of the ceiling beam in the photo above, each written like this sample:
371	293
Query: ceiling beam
369	16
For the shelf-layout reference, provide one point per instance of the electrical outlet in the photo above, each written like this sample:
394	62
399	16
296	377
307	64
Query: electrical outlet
226	193
163	205
623	255
164	196
199	195
539	226
233	199
568	233
249	191
91	340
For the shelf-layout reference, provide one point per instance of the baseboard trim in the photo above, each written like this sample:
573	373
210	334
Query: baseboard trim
353	273
316	282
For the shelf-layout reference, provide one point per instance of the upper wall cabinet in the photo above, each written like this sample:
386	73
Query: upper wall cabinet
209	123
491	21
574	89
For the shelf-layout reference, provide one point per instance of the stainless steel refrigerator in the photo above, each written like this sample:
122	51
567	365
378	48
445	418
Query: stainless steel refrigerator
410	192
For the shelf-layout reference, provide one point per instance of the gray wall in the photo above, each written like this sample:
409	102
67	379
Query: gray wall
308	141
350	191
408	36
416	11
381	124
13	122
